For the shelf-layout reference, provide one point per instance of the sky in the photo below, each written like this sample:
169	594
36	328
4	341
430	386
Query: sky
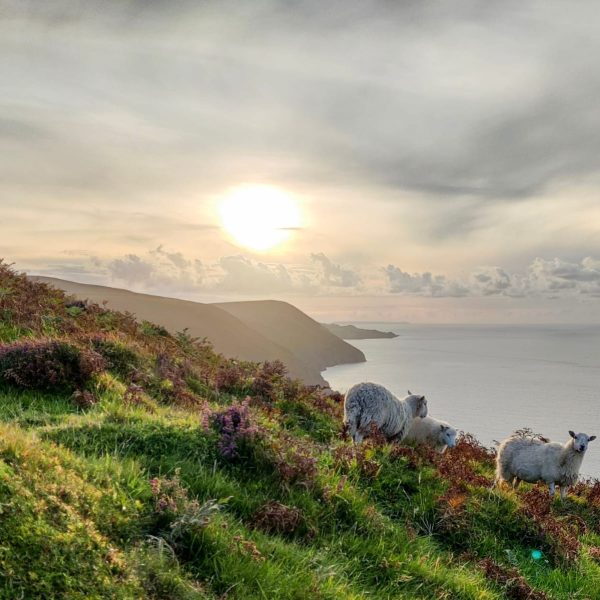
442	158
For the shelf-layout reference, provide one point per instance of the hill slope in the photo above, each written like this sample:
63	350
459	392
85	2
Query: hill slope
291	328
135	464
255	338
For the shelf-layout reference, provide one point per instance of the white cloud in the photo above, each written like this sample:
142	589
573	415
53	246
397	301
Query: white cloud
547	278
422	284
243	275
131	269
335	275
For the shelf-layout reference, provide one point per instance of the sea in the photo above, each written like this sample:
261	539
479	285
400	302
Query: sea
490	380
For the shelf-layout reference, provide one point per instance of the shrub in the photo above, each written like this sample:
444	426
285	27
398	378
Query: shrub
170	380
152	329
229	378
295	463
174	508
560	535
268	378
120	358
48	365
348	458
511	580
235	427
83	399
274	517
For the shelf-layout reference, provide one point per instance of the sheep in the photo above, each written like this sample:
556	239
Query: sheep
432	432
528	459
368	404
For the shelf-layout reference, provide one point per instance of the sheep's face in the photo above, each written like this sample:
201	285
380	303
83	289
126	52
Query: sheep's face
448	435
581	441
419	402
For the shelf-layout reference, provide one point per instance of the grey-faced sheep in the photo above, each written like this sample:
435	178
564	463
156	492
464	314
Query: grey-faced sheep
532	460
368	404
432	432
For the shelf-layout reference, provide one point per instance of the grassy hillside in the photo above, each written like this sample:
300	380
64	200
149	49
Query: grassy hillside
139	464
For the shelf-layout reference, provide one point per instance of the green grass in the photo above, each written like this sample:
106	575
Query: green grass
109	499
378	535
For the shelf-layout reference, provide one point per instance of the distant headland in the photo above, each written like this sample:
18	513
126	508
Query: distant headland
351	332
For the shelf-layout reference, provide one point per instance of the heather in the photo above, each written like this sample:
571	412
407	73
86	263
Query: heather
140	464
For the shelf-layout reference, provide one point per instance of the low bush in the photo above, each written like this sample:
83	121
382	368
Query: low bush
120	358
275	517
48	365
235	428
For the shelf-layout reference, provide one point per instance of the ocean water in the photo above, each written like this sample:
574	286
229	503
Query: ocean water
491	380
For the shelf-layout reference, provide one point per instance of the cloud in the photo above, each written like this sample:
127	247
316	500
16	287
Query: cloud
493	281
176	258
422	284
131	269
559	275
496	102
243	275
543	278
334	275
170	272
159	270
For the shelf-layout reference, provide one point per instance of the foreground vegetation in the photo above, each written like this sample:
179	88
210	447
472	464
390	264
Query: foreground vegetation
138	464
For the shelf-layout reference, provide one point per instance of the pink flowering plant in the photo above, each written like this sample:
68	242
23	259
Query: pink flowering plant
235	428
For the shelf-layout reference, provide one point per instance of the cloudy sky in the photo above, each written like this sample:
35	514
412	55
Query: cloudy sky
443	157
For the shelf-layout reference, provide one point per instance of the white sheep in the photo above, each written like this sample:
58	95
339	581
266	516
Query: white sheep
527	459
368	404
432	432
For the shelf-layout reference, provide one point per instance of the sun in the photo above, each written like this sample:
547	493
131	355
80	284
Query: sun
259	217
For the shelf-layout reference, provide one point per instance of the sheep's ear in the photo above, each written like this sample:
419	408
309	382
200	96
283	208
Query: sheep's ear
443	427
592	438
572	434
422	398
409	393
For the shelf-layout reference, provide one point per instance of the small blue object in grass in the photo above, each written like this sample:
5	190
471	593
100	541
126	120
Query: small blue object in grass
536	554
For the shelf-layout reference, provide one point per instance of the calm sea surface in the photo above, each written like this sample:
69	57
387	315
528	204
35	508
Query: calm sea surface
491	380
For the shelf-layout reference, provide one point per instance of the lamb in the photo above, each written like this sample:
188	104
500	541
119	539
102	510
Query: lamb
532	460
432	432
368	404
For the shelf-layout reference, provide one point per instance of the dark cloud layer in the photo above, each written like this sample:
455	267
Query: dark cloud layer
496	101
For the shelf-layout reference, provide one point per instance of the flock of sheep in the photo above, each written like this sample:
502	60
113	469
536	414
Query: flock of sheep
519	458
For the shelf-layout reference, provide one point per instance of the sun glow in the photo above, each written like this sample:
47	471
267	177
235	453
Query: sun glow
259	217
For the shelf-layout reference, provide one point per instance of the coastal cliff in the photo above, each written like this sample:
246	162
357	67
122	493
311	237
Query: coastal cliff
255	331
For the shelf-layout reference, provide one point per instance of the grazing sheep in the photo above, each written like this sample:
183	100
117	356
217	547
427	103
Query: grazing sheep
532	460
431	432
368	404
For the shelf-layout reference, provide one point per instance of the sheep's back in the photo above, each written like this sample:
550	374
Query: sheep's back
423	430
370	402
529	459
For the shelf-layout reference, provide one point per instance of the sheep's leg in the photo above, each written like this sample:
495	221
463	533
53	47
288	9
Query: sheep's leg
552	489
516	483
563	492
